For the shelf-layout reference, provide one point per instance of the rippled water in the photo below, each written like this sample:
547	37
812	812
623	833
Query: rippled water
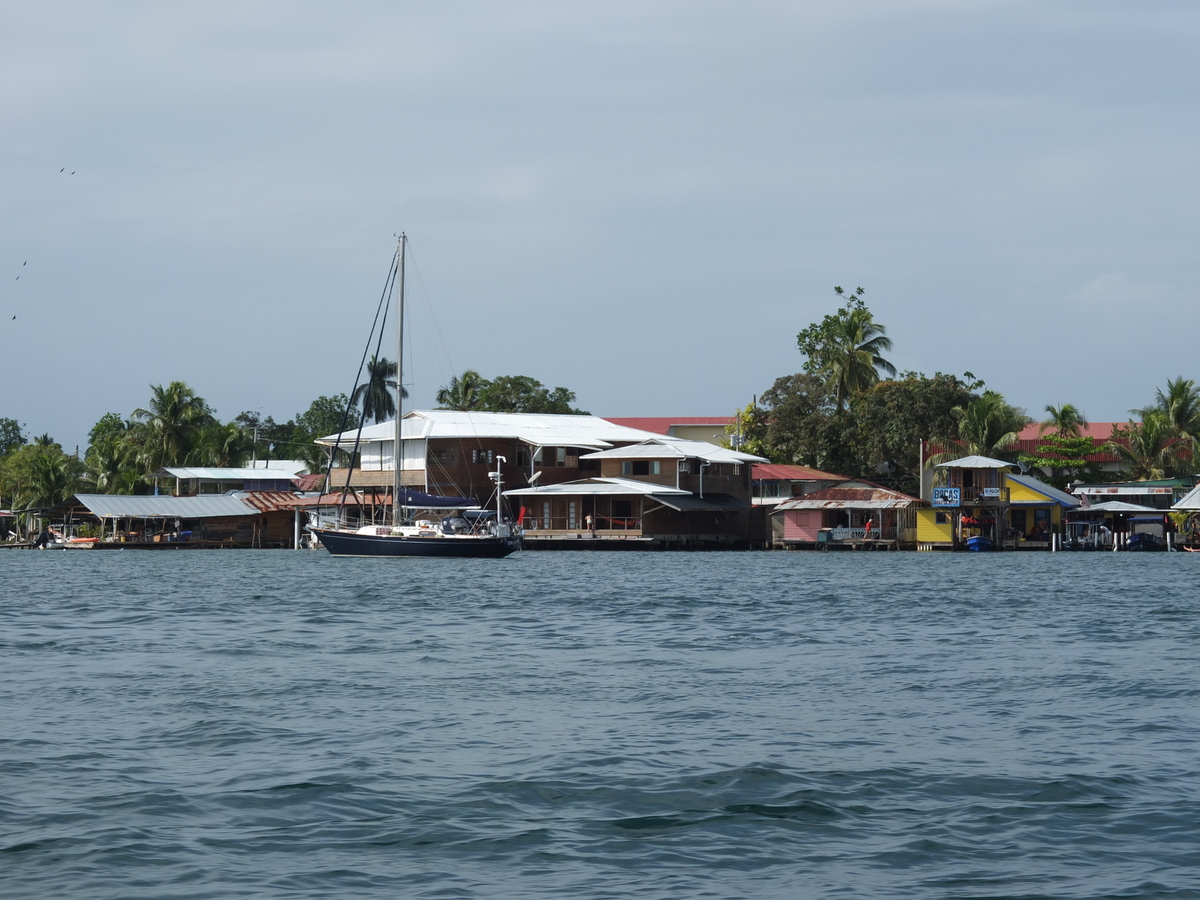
279	724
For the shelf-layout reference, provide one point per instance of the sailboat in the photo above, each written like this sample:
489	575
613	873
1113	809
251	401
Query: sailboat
464	530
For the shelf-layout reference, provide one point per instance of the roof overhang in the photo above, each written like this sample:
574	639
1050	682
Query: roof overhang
693	503
975	462
592	487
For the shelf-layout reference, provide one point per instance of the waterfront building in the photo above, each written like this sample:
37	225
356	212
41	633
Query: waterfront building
854	514
659	493
981	501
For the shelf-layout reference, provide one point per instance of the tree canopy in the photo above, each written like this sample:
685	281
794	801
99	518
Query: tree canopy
845	349
505	393
12	436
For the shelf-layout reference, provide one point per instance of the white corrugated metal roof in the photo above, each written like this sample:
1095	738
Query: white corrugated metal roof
672	448
1190	500
205	506
975	462
593	486
1118	506
537	429
1134	489
222	474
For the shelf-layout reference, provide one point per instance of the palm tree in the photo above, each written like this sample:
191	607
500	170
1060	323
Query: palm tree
1181	405
1149	448
987	426
168	428
108	458
462	393
853	359
376	394
222	446
1065	420
53	477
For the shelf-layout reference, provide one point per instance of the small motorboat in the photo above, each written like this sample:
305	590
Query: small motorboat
980	544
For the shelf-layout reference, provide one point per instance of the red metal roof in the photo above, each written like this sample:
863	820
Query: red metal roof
1100	431
662	424
354	497
774	472
1029	437
269	501
310	482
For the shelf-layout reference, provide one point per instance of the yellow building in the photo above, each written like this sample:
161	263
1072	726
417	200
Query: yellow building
979	503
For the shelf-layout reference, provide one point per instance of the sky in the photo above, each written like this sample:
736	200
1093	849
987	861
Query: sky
641	202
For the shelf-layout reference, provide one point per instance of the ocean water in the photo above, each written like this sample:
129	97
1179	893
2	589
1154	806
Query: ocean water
282	724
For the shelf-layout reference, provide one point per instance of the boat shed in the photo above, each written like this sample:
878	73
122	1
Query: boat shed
162	522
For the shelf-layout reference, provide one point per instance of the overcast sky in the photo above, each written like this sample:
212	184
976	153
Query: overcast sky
641	201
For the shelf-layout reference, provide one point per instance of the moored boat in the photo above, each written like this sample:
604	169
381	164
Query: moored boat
980	544
460	532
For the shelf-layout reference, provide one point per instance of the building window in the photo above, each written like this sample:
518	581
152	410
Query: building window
443	456
941	518
522	455
482	456
641	467
766	489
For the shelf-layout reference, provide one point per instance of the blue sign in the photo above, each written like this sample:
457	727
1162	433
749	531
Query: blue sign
946	497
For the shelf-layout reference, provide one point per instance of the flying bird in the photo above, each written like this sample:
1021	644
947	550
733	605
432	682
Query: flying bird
63	169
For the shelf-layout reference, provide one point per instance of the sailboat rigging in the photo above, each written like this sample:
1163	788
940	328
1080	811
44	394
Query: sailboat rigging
454	526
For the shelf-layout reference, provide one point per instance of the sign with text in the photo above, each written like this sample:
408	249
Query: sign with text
990	493
946	497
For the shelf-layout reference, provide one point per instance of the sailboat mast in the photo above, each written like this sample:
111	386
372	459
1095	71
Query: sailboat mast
398	452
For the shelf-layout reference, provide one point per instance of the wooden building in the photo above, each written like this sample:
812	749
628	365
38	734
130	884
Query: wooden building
854	514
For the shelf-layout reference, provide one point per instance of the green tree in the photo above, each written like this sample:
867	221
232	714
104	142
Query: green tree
324	416
748	432
11	436
522	394
1149	450
42	476
987	426
222	446
803	428
845	349
1064	459
463	391
169	427
112	456
1180	405
376	395
895	416
1066	421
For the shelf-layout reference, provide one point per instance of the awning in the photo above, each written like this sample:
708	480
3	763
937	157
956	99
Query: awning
710	503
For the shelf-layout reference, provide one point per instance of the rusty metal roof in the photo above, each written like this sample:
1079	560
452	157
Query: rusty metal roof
268	501
776	472
851	498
